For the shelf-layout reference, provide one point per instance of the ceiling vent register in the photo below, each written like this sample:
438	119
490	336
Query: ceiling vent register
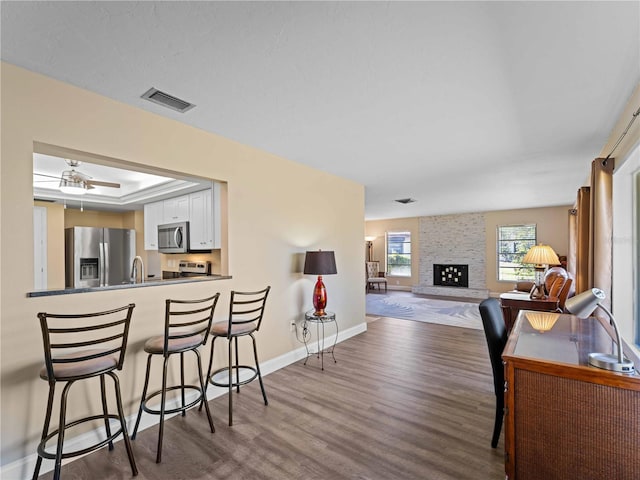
156	96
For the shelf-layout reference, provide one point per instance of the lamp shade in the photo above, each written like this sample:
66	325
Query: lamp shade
583	304
541	255
320	263
542	321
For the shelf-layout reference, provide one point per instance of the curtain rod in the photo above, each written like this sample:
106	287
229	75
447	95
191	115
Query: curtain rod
633	118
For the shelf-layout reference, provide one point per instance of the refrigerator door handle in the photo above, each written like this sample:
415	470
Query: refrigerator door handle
106	264
101	264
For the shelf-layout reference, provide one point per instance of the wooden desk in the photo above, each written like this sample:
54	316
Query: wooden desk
513	302
563	418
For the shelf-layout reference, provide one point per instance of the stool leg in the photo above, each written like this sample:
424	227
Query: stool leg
142	400
230	383
184	412
105	410
237	367
123	423
255	356
208	378
63	414
203	386
45	429
162	406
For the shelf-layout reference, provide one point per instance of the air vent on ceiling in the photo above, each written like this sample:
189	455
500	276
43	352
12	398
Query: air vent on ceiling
405	200
156	96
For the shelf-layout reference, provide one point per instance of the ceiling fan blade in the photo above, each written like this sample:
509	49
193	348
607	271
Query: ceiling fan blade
43	175
101	184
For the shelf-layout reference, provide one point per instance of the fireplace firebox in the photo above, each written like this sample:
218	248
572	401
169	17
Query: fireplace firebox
451	275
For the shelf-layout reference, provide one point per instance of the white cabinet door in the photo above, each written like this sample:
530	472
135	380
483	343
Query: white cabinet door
201	223
153	216
176	209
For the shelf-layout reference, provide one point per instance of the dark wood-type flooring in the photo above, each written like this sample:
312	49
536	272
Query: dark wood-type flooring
406	400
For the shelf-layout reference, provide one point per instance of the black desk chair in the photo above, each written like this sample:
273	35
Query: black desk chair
80	347
246	310
186	327
496	333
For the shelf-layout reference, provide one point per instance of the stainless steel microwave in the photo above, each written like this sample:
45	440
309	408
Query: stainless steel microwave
173	237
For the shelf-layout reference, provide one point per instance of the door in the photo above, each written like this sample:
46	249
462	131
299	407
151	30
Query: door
39	248
119	252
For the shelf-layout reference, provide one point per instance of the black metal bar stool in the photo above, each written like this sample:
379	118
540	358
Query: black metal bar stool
85	346
246	310
186	327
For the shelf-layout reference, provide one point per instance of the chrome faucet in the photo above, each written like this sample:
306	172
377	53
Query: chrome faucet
134	270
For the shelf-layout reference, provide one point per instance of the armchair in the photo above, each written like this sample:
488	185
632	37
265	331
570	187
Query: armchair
372	271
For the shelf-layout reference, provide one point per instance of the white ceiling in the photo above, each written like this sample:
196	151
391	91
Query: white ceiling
136	187
464	106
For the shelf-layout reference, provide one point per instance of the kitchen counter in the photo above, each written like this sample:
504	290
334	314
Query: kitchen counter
151	282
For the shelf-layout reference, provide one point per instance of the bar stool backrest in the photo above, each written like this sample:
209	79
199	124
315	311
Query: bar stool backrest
247	307
186	318
74	338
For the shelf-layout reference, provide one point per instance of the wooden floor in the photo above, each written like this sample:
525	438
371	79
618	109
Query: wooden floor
406	400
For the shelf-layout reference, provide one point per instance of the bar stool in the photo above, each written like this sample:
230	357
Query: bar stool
245	316
73	338
186	327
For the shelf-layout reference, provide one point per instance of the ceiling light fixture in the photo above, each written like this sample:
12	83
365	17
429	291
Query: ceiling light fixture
71	185
405	200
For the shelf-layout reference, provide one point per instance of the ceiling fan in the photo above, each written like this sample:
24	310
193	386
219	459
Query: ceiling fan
74	182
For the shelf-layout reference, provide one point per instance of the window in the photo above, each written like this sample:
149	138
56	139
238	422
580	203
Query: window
514	241
399	254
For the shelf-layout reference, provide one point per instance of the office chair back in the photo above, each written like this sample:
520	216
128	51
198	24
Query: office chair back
495	332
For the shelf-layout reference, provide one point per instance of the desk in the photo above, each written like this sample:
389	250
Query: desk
328	317
563	418
513	302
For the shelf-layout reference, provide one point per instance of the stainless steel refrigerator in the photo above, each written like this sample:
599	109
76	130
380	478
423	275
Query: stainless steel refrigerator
97	257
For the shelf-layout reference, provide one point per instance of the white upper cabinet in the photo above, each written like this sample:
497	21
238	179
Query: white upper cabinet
202	211
176	209
204	225
200	225
153	216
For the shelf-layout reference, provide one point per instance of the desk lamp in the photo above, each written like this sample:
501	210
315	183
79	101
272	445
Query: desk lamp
320	263
582	306
541	256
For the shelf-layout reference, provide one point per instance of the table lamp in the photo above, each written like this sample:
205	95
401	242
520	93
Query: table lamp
582	306
320	263
541	256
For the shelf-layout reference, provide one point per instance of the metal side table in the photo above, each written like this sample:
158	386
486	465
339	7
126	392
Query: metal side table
328	317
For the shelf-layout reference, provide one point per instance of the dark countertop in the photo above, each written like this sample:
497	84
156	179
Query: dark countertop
151	282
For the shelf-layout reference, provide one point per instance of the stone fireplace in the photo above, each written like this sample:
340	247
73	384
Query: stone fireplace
453	241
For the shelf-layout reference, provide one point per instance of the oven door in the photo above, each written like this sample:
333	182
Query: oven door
173	237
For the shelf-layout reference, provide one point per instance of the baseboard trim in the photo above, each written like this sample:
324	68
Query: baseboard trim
22	469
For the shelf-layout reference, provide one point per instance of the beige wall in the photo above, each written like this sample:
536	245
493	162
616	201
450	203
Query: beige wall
379	228
552	229
269	229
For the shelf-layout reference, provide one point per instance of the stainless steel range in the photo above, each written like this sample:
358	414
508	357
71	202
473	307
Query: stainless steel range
189	269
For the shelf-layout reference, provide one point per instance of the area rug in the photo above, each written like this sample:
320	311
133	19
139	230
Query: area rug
446	312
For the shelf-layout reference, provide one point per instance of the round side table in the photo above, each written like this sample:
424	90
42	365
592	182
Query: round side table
320	320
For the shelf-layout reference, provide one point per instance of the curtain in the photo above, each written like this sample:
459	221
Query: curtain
601	231
573	241
580	267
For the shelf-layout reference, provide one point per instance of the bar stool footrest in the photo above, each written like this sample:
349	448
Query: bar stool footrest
177	409
52	456
237	369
